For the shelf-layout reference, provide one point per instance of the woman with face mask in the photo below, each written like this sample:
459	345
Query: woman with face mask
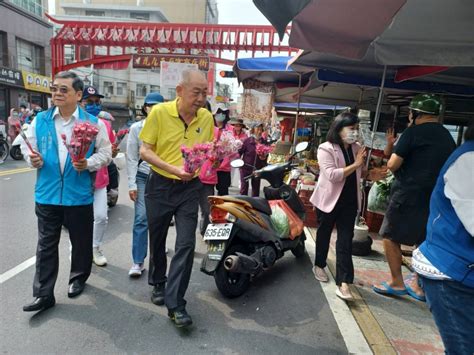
337	199
221	118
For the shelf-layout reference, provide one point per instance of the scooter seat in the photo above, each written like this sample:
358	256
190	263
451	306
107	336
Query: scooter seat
259	203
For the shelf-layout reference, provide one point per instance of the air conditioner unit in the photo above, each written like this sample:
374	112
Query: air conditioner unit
107	95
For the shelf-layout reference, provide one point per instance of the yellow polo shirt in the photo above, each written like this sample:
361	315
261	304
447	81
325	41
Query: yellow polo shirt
165	130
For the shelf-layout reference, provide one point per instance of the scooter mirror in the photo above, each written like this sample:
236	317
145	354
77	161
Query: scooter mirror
301	147
237	163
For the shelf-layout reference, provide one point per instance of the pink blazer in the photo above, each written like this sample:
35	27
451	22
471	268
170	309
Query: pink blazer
331	176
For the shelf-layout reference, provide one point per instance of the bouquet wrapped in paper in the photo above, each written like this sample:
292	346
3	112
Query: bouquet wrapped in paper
120	136
82	137
226	146
195	157
263	150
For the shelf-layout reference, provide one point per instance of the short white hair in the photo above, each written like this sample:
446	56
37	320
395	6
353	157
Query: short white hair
188	74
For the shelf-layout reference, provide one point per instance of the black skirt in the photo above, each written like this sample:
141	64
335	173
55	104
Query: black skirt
406	216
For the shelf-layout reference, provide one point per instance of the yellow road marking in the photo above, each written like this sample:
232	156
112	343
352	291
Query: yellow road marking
16	171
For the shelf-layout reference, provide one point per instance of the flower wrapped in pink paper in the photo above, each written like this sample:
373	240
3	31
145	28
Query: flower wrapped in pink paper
195	157
226	146
263	150
120	136
82	137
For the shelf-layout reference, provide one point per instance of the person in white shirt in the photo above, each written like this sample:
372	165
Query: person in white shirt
64	189
138	171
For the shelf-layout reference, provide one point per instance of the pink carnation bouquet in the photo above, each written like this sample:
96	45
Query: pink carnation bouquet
263	150
195	157
82	137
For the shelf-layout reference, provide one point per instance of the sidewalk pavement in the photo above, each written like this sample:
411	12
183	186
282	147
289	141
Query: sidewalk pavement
400	325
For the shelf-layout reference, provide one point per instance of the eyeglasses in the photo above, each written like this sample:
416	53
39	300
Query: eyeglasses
62	89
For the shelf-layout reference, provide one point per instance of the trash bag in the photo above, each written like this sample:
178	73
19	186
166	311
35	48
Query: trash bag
379	195
280	222
296	225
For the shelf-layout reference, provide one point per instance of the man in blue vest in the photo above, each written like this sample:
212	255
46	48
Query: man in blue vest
445	260
64	189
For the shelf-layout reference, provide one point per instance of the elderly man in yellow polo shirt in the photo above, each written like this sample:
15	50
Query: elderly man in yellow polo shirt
170	191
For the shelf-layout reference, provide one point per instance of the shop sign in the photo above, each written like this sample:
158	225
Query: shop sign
171	73
149	61
11	77
36	82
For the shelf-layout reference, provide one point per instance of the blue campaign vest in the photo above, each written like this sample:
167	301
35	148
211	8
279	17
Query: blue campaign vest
448	245
53	188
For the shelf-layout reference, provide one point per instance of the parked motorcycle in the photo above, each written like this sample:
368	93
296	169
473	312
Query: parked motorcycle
4	148
14	133
241	240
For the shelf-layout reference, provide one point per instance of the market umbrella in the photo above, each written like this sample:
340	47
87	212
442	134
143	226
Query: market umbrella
401	32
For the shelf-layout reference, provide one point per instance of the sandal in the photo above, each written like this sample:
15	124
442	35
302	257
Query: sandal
388	290
413	294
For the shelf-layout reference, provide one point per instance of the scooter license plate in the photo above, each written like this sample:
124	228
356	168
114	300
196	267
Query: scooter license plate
215	249
218	231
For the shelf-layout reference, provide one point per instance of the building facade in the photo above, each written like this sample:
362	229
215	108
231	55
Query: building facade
125	90
25	55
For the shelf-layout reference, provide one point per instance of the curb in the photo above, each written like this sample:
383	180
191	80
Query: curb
376	338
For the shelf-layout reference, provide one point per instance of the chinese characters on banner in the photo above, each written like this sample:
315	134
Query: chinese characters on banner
171	73
148	61
11	77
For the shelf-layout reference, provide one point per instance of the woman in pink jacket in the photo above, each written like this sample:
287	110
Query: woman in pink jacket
337	198
100	198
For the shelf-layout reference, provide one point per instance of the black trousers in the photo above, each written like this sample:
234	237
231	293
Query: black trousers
223	183
163	200
80	223
343	216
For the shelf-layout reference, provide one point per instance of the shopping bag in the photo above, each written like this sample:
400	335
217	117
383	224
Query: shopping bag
295	223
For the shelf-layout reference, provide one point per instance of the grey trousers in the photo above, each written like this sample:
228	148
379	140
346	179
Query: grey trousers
164	199
207	190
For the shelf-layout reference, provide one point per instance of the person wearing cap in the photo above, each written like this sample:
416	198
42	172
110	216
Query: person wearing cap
238	131
238	127
415	162
138	171
91	102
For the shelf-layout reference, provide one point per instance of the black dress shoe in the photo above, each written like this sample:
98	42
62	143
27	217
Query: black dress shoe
180	318
75	289
158	294
40	304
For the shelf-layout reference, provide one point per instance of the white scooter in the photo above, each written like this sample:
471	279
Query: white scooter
15	150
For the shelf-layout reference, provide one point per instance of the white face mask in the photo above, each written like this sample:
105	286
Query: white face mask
220	117
349	135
